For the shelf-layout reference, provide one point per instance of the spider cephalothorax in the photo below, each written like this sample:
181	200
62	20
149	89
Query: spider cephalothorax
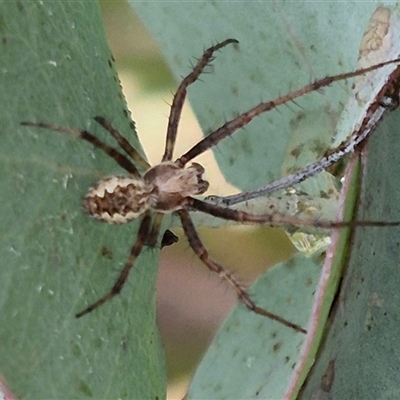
172	185
169	187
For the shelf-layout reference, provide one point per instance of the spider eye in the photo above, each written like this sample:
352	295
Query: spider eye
118	199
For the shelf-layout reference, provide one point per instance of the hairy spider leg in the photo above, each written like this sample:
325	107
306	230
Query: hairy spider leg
142	236
304	173
373	115
137	157
180	95
123	143
201	252
155	230
242	120
122	160
275	219
144	230
175	115
244	217
146	236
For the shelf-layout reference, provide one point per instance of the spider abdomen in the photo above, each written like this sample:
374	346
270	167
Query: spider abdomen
118	199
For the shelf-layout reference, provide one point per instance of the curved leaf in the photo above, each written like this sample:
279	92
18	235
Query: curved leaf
56	67
360	355
282	47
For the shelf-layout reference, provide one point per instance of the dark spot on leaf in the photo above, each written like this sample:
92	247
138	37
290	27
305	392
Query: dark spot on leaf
124	344
324	195
107	253
296	151
328	377
309	282
76	351
276	346
84	388
317	147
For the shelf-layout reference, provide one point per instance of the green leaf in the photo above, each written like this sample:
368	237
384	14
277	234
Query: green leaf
298	290
255	347
56	67
282	47
361	352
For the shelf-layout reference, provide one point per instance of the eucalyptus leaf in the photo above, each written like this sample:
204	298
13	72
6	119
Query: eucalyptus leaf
360	355
282	47
56	67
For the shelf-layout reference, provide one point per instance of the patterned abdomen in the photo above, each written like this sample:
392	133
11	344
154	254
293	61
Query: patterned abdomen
118	199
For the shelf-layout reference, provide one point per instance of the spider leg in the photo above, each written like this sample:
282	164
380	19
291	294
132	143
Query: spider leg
201	252
142	236
124	144
180	95
374	114
310	170
169	237
122	160
155	229
275	219
242	120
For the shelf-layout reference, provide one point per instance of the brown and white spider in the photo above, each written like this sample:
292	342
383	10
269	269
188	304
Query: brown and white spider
169	187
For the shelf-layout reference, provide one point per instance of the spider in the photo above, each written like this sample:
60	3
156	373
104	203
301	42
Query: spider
169	186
